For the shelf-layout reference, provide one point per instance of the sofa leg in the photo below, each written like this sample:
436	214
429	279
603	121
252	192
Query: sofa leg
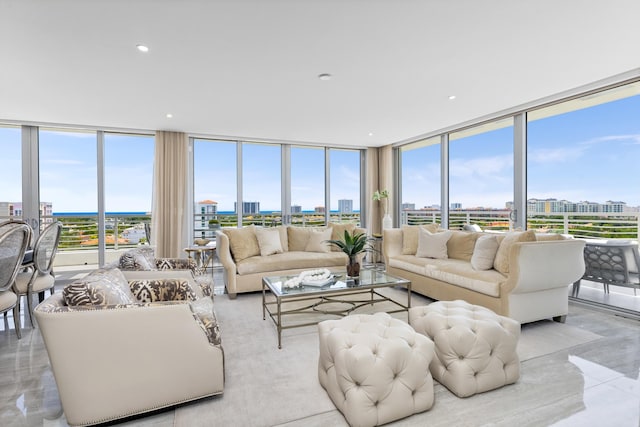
560	319
233	296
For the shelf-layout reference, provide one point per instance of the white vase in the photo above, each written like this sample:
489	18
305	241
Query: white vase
387	222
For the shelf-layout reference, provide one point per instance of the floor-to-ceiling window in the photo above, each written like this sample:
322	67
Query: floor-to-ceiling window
344	172
10	173
420	181
68	187
481	175
307	185
261	184
582	174
128	173
214	186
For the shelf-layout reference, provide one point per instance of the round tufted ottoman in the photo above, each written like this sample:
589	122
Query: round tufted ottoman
375	368
475	348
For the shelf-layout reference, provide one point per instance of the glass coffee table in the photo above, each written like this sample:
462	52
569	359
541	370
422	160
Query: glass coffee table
310	304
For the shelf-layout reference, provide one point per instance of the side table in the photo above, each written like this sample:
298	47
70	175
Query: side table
203	256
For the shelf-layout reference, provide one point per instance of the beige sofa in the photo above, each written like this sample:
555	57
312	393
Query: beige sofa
120	348
526	279
250	253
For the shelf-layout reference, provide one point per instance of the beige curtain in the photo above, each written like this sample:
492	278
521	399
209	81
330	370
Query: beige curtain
169	226
379	177
373	219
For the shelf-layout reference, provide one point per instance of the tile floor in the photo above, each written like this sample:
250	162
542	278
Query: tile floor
599	384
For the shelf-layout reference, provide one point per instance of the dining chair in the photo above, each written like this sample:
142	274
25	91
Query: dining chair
14	238
39	277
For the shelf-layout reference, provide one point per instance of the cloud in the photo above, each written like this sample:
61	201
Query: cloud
556	155
482	167
632	139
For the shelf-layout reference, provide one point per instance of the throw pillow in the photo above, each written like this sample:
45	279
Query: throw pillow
461	245
100	287
318	241
484	252
284	238
338	233
242	242
162	290
410	236
298	238
433	245
269	241
501	263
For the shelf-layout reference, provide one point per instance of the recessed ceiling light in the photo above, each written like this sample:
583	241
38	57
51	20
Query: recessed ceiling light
370	133
452	97
169	115
142	48
324	76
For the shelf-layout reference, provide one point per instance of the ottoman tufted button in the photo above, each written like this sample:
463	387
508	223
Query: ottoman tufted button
397	350
473	330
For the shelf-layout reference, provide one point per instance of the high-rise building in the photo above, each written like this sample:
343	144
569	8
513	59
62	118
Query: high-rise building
248	208
204	211
456	206
319	209
408	206
345	206
296	209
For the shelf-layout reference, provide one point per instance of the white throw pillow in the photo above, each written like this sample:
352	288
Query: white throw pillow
317	241
433	245
484	253
269	241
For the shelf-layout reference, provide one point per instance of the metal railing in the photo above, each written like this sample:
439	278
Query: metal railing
601	225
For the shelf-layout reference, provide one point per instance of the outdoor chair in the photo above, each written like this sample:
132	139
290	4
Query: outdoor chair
611	262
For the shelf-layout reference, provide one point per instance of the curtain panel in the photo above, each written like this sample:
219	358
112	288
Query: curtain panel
169	219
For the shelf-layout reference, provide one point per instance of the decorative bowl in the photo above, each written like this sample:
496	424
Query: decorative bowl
201	242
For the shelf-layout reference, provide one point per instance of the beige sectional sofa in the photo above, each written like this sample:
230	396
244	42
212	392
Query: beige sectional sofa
250	253
521	275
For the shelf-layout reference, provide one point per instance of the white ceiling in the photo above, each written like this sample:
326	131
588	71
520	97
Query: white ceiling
248	69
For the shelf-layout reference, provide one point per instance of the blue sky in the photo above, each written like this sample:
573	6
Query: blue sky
588	154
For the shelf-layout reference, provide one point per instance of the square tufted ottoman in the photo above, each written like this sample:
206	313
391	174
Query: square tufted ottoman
375	368
475	348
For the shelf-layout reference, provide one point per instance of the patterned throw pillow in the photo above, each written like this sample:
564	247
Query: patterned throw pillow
162	290
100	287
205	316
139	259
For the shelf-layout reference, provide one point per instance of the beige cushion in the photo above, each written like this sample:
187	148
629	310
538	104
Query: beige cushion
501	263
269	241
337	232
484	252
433	245
284	237
292	261
243	242
410	236
461	244
298	238
318	241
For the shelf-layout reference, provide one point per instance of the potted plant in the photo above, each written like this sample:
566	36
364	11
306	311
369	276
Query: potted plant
352	245
214	224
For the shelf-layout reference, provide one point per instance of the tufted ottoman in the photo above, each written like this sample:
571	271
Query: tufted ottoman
375	368
475	348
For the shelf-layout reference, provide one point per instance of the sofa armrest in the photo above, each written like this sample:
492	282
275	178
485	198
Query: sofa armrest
391	243
224	255
95	358
535	266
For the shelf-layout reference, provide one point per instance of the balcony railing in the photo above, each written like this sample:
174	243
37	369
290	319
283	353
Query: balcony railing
580	225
